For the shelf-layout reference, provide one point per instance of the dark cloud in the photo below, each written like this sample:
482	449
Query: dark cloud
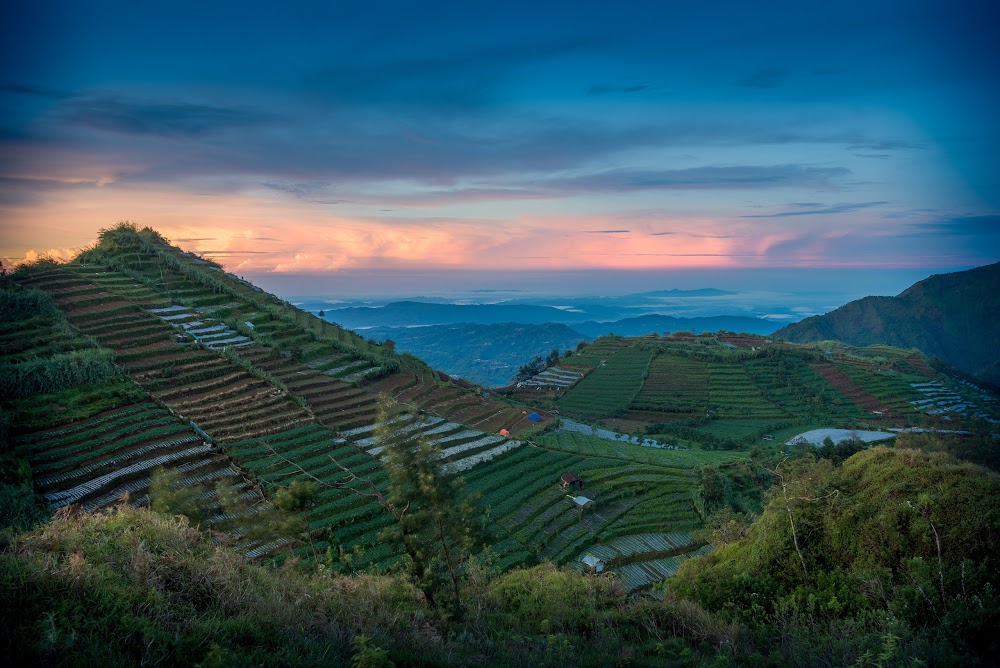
660	234
34	91
694	178
987	225
883	145
194	239
605	231
455	80
310	192
605	89
165	119
834	209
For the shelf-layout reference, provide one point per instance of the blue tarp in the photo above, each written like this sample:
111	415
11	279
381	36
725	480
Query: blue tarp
535	417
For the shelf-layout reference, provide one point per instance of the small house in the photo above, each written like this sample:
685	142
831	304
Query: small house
569	480
768	437
592	564
582	503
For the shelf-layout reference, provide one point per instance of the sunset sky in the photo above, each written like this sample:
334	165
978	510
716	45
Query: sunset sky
346	138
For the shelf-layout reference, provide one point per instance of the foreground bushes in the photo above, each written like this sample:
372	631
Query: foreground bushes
891	563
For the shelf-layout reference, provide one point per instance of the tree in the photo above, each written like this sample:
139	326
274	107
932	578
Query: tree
532	368
437	521
169	496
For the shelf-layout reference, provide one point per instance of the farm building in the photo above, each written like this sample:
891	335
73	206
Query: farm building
571	480
592	564
582	502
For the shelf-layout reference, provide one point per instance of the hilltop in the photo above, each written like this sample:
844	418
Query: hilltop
949	316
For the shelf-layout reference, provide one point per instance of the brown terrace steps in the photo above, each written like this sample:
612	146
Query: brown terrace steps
204	395
847	387
334	403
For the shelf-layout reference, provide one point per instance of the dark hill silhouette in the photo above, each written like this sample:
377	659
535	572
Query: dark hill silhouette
954	317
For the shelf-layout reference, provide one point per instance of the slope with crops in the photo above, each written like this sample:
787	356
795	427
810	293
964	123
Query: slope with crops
92	437
726	389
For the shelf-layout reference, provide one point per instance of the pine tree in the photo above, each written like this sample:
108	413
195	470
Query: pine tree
436	521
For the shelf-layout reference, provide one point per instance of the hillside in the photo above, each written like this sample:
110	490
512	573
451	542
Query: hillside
153	369
720	390
949	316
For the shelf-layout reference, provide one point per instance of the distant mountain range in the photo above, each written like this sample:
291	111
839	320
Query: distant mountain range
955	317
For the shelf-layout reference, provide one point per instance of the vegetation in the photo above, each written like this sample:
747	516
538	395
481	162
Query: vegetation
334	527
949	316
881	555
874	574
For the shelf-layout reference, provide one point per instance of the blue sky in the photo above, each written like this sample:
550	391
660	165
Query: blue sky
343	138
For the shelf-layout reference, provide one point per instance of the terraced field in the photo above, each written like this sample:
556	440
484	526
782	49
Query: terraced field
523	493
555	377
676	384
94	462
610	388
486	413
105	456
238	378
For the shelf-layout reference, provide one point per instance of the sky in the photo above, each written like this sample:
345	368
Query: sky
333	141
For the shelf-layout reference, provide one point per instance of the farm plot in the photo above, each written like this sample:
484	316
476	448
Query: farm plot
675	384
486	413
941	399
608	390
523	493
223	400
891	390
627	548
555	377
794	386
642	574
560	530
733	394
594	354
209	332
846	386
111	456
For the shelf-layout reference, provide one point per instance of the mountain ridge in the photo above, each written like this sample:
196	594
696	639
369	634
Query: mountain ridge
950	316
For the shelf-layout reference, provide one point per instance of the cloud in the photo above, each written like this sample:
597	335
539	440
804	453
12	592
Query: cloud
34	91
834	209
164	119
985	225
697	178
605	231
660	234
460	80
884	145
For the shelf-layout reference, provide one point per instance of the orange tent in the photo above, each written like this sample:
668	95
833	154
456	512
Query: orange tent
504	432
